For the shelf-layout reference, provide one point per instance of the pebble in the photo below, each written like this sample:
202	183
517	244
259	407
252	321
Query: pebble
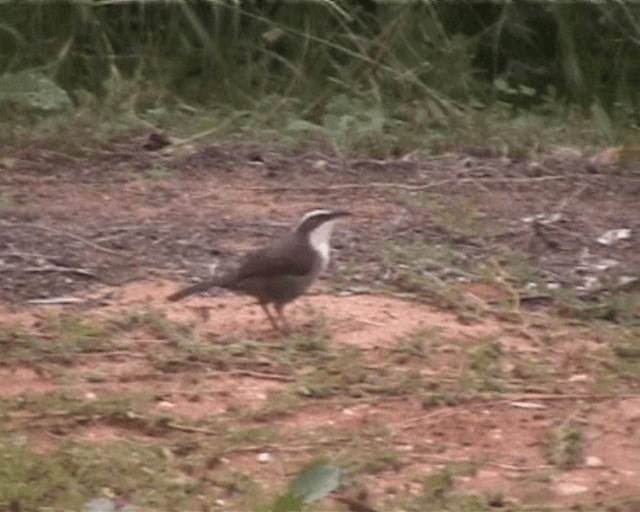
570	488
264	457
593	462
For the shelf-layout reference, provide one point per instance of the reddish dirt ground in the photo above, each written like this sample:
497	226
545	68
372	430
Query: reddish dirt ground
115	239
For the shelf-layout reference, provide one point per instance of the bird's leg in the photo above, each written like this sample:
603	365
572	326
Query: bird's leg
271	318
280	311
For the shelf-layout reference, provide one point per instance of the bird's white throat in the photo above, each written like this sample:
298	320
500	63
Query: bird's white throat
320	240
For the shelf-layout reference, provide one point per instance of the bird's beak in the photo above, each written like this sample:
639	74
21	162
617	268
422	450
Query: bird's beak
341	213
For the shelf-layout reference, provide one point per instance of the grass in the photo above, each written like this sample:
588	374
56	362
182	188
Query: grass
370	450
66	407
621	308
154	323
210	463
456	216
348	375
483	370
615	363
420	269
277	404
349	126
463	252
415	346
60	339
70	476
565	446
436	491
188	459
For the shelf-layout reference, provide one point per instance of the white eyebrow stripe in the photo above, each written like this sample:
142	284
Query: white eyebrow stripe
313	213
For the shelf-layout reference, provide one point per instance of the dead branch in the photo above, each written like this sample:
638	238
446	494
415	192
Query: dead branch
77	238
54	301
260	375
400	186
60	270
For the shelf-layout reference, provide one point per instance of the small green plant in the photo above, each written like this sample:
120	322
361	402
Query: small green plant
156	324
438	483
310	343
69	476
313	482
349	123
376	459
620	308
29	481
484	368
436	494
425	269
412	346
277	404
565	446
438	399
66	335
614	363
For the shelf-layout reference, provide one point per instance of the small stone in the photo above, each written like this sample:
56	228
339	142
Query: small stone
320	165
580	377
614	235
535	169
566	153
570	488
593	462
264	457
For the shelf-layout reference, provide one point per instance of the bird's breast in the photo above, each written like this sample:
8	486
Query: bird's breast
319	239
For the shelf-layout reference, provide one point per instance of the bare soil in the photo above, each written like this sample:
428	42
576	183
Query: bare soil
102	234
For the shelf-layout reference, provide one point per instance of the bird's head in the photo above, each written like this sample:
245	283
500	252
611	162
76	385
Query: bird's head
319	219
317	226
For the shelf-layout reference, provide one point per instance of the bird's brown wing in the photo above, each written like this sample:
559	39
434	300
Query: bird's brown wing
287	256
281	258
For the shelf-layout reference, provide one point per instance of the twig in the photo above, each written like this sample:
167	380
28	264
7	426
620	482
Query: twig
370	322
565	202
77	238
518	399
117	231
401	186
289	448
26	255
192	138
416	419
440	460
523	469
260	375
446	460
527	405
569	396
55	301
269	447
61	270
63	156
187	428
112	353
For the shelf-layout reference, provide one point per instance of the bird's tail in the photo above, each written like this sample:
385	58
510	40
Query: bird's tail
194	288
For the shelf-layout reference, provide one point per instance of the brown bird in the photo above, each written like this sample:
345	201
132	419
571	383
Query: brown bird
282	271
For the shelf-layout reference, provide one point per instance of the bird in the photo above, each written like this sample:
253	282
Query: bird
282	271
